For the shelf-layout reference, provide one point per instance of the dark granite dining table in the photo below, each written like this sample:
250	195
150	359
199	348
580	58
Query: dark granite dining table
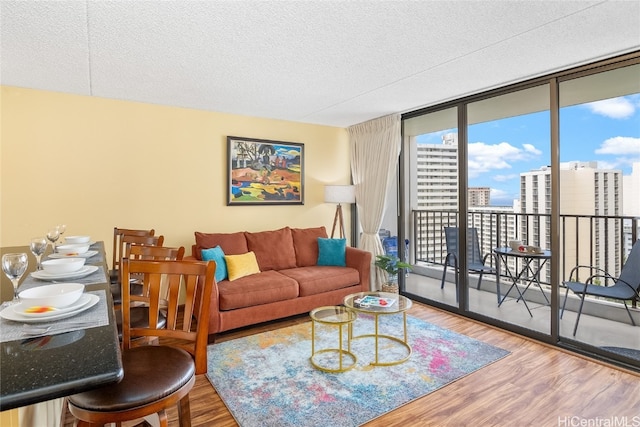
35	369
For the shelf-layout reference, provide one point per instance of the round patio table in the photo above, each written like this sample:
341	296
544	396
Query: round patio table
528	274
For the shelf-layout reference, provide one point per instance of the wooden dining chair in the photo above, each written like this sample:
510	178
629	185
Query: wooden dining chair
118	247
156	376
126	241
139	313
156	253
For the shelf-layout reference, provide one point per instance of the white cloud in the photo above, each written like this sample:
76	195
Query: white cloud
614	108
497	193
608	165
502	198
531	149
484	157
621	152
620	145
505	178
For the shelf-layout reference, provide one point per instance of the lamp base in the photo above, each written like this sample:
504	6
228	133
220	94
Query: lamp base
338	219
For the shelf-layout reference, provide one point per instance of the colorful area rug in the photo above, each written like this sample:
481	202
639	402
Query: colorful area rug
268	380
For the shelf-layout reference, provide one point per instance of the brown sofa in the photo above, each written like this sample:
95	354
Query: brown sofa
289	281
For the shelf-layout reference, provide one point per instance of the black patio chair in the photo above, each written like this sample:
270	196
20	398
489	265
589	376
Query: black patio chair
625	287
476	262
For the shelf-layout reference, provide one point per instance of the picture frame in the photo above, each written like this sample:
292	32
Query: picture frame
264	172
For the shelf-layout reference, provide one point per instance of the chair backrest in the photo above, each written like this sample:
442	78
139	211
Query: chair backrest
132	240
118	245
197	279
474	255
630	273
157	253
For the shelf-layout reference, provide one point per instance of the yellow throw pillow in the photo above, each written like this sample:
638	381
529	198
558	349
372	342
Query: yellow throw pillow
241	265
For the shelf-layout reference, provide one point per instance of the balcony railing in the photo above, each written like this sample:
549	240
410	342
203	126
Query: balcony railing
600	241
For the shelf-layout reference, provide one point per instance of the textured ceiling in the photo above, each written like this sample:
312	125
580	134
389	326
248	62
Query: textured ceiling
333	63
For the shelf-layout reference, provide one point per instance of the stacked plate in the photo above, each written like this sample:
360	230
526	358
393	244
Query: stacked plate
87	254
83	272
17	313
64	269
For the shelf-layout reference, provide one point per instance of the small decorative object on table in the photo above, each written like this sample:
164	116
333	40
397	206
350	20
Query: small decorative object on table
374	301
392	265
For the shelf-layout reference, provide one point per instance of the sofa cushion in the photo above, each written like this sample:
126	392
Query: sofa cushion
231	243
332	252
318	279
305	243
216	254
242	265
266	287
273	249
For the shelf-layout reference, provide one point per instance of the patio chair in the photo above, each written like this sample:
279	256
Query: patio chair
625	287
476	263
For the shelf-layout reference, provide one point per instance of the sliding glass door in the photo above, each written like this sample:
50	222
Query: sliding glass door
551	166
600	203
509	199
431	189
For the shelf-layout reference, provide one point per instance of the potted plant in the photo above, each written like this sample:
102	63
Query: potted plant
392	265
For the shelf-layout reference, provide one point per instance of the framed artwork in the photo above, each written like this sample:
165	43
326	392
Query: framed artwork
263	172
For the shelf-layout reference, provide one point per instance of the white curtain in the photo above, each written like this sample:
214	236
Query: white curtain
375	147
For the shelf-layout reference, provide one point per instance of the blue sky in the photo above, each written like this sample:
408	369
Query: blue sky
606	131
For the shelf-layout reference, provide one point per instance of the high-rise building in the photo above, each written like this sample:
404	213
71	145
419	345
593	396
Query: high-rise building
479	196
437	174
436	189
590	197
586	192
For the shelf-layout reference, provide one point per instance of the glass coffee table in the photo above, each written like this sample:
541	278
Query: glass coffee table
381	304
332	316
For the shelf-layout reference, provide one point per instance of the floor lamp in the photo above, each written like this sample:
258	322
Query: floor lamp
339	194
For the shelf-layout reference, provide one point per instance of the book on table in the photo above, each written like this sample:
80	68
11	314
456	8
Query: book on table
374	301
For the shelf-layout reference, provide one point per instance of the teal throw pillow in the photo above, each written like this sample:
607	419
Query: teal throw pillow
216	254
332	252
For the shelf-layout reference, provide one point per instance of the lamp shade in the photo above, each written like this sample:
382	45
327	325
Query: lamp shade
340	193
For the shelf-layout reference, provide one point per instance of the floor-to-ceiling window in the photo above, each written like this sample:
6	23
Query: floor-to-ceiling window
525	161
599	200
508	168
431	144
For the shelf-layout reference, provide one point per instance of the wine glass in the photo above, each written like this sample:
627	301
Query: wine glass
53	235
38	245
61	229
14	266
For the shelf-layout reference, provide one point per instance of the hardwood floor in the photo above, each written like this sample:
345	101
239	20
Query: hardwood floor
536	385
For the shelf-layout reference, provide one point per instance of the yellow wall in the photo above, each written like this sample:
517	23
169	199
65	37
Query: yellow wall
95	163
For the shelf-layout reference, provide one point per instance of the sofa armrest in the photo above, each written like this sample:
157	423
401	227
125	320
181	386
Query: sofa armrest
361	261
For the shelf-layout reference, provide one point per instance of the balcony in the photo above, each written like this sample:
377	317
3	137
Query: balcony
602	241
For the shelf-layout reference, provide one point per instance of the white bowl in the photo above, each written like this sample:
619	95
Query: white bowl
76	249
515	244
77	239
62	265
58	295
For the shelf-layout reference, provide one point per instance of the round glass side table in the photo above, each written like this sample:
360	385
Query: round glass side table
339	317
394	304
